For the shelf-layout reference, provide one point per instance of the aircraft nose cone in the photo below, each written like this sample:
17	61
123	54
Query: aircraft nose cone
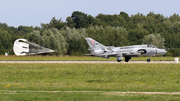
161	51
164	52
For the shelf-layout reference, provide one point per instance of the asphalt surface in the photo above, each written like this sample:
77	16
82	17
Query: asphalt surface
87	62
104	92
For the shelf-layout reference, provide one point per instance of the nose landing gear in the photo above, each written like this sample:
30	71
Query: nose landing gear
118	60
148	60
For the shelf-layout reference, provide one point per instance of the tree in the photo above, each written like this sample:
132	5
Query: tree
136	35
154	39
80	19
70	22
109	36
125	15
175	27
25	29
91	20
2	49
50	38
174	17
5	41
75	39
54	23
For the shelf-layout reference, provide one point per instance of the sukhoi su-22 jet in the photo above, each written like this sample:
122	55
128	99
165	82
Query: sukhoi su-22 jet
97	49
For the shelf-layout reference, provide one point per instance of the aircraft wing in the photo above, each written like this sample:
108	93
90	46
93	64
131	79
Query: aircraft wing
110	54
105	54
124	53
114	54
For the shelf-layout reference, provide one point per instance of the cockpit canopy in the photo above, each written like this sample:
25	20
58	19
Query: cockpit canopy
151	46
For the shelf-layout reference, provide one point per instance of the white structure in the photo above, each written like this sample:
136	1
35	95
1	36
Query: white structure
176	60
25	47
6	54
20	47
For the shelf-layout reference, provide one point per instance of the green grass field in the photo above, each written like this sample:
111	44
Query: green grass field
37	81
76	58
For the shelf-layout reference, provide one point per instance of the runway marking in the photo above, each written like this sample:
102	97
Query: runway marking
87	62
104	92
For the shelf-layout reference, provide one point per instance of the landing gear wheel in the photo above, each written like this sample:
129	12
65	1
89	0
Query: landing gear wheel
148	60
126	60
118	60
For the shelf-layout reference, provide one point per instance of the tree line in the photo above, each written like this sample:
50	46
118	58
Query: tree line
67	38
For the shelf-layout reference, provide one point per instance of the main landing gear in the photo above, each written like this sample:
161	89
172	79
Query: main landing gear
148	60
127	59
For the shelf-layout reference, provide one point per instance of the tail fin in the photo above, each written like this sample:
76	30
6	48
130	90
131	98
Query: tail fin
93	44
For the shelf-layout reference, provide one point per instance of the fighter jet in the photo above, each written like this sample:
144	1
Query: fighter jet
97	49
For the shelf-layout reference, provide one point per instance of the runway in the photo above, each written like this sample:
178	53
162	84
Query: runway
103	92
130	62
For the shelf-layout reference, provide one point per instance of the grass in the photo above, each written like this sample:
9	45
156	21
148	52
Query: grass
76	58
23	81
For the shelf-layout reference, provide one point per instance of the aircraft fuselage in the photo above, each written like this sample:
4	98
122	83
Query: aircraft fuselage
100	50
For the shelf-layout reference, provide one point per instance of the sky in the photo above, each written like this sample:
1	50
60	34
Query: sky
34	12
